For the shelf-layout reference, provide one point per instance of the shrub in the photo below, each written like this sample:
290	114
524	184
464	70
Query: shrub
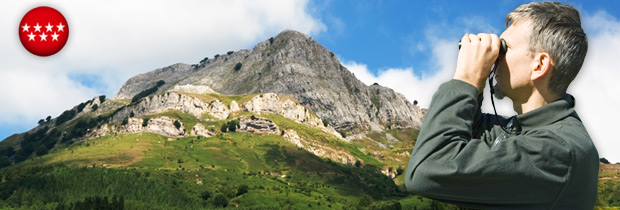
220	201
145	122
205	195
238	66
48	118
102	98
271	40
95	107
343	134
242	189
216	56
41	121
325	122
230	52
224	127
132	114
415	102
177	124
125	121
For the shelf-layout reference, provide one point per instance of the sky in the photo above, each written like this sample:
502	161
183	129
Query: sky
409	46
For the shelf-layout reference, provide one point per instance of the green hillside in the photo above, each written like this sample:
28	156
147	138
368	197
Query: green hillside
57	167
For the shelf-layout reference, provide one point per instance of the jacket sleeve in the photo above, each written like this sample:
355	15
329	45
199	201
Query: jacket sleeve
460	157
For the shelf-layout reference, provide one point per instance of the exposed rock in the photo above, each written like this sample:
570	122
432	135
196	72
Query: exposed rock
200	130
199	89
174	101
234	107
271	102
318	148
160	125
258	125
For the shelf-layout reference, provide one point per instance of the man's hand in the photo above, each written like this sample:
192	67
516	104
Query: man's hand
476	57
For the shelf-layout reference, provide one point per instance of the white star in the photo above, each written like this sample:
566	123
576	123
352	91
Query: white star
37	27
43	36
60	27
31	37
49	27
25	27
55	37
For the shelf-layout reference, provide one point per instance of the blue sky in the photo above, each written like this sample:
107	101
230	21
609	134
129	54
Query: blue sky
409	46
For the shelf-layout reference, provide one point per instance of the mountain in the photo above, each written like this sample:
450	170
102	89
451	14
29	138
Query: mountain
294	64
282	125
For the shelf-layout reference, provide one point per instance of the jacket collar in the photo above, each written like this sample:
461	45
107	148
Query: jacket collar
545	115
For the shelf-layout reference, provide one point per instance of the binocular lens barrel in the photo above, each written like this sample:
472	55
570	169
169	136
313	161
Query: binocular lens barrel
502	47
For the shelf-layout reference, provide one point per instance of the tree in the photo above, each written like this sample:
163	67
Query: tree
415	102
271	40
48	118
604	160
95	107
358	163
238	66
224	127
41	121
230	52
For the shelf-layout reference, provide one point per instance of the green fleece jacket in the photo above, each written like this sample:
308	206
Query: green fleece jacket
543	159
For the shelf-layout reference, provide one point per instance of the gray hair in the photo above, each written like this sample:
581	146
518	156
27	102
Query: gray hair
556	29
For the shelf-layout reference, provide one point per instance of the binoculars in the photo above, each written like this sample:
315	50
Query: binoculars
502	47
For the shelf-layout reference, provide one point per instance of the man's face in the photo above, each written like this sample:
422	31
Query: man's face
513	72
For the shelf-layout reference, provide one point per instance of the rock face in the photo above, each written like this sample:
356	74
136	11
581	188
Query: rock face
291	64
160	125
318	148
175	101
200	130
258	125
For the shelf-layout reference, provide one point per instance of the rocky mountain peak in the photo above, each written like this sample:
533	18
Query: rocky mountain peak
294	64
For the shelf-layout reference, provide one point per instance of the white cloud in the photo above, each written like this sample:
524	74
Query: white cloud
114	40
595	88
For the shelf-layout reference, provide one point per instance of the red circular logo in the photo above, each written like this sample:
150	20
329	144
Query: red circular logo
43	31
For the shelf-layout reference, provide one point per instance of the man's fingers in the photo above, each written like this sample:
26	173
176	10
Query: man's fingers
495	43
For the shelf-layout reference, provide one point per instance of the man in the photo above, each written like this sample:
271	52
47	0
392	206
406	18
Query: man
542	158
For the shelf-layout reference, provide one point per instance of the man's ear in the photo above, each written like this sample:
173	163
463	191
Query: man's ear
541	66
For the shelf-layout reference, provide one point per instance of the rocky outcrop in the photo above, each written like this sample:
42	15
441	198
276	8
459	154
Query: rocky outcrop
200	130
174	101
318	148
271	102
258	125
199	89
160	125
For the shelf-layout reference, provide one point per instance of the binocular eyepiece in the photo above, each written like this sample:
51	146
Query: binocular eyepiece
502	47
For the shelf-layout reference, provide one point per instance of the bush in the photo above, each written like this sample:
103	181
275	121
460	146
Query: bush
205	195
224	127
101	98
242	189
271	40
41	121
48	118
325	122
125	121
145	122
238	66
415	102
230	52
220	201
177	124
132	114
95	107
